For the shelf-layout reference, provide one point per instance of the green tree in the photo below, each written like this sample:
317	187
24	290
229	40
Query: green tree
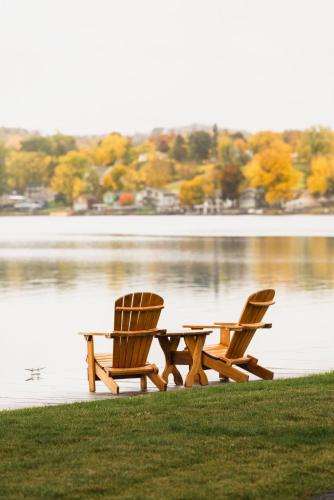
179	149
36	144
3	177
199	145
315	141
26	168
214	146
62	144
54	145
232	152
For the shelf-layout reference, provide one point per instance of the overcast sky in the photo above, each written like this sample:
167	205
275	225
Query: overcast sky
94	66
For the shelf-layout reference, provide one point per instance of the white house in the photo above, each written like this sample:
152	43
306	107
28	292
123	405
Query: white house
161	200
213	206
248	200
303	202
40	194
80	204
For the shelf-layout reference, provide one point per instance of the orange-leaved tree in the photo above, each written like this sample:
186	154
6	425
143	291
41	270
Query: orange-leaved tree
126	199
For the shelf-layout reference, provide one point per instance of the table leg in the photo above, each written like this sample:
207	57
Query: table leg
196	372
169	346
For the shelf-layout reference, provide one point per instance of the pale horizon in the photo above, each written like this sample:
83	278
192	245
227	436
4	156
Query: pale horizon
89	68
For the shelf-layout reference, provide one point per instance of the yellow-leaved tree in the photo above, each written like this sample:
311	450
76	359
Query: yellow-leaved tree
321	179
191	193
272	169
195	191
262	140
112	147
113	178
156	173
74	176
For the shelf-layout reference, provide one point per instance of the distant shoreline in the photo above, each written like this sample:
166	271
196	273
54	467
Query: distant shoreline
93	213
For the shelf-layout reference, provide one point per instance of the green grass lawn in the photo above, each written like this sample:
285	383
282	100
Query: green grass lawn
258	440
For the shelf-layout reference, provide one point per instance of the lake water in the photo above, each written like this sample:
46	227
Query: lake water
61	275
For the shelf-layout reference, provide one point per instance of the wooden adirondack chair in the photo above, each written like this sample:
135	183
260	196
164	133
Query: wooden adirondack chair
230	352
135	322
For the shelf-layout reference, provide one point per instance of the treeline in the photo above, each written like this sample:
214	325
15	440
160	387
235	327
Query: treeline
200	164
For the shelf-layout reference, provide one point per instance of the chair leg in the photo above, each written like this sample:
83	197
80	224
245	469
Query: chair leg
109	381
157	380
258	370
222	368
91	363
143	382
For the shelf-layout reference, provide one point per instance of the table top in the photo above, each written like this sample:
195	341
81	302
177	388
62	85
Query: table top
189	333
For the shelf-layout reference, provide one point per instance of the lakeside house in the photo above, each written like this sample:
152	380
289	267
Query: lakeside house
34	198
80	204
248	199
39	194
304	201
161	200
213	206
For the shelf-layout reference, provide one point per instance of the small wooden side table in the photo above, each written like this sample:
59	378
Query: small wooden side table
192	356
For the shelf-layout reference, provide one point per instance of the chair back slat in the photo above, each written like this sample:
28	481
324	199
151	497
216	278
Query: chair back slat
132	342
136	312
253	312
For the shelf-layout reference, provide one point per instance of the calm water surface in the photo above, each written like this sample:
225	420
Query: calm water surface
61	275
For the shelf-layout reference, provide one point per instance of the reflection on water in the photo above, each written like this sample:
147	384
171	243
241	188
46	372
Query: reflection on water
207	263
53	287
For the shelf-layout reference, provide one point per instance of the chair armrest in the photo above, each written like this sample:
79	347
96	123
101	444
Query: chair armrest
119	333
255	326
99	334
229	326
135	333
200	327
243	326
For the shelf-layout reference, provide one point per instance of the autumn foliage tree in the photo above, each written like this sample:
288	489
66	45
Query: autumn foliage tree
232	152
113	178
231	178
74	176
192	193
321	180
112	147
126	199
263	140
315	141
272	169
156	173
